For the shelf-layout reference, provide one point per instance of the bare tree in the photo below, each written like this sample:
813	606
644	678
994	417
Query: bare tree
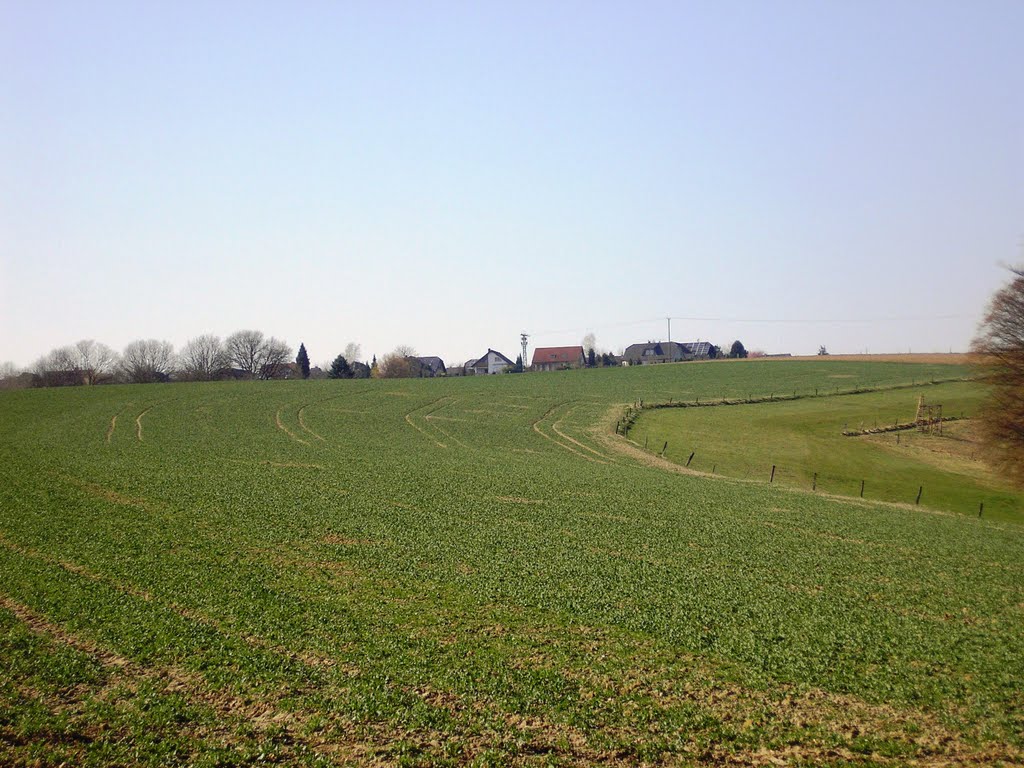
9	374
352	352
95	361
276	355
1000	343
203	358
147	360
256	355
57	368
244	350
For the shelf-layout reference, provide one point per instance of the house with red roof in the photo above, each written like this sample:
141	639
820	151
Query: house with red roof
558	358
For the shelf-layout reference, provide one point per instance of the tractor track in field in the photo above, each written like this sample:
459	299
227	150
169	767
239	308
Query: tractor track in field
301	412
546	436
431	419
556	430
236	714
113	422
418	428
310	659
283	428
138	423
305	427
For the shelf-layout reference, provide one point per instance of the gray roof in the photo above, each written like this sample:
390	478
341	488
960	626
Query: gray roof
673	350
433	362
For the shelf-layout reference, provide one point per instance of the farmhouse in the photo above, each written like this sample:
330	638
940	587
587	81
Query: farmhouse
665	352
558	358
491	362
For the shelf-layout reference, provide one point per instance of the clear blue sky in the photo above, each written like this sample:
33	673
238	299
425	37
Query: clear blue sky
447	175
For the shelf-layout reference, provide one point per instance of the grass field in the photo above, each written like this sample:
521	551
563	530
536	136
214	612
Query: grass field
479	571
804	438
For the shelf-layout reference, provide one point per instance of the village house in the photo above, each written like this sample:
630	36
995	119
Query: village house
665	352
491	362
558	358
428	367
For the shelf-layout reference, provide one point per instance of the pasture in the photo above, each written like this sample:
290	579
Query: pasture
478	571
804	441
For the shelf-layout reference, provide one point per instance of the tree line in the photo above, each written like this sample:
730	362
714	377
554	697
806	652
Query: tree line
246	354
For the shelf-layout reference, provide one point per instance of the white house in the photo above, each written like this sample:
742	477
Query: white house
492	362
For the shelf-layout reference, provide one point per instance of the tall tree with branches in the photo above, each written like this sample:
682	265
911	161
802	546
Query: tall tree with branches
1000	347
302	359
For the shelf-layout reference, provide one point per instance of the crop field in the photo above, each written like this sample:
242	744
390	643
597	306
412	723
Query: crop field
480	571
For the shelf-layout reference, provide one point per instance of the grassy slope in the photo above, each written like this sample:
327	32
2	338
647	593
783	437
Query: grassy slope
432	571
802	437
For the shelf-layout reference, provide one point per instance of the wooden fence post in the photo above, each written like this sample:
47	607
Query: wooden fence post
919	492
814	483
772	479
862	489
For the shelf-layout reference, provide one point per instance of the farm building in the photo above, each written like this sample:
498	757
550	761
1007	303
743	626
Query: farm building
665	352
558	358
491	362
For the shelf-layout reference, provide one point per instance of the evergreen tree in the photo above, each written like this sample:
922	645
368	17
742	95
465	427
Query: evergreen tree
518	367
303	360
339	369
591	358
738	350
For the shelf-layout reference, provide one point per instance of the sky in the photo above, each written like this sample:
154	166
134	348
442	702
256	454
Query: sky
449	175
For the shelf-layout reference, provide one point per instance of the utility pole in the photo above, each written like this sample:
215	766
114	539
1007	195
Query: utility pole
522	338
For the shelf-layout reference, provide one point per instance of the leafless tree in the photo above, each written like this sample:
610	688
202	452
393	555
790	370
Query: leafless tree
203	358
95	361
353	352
256	355
1000	346
9	374
277	354
147	360
244	350
57	368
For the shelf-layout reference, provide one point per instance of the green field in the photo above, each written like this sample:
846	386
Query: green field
803	438
432	572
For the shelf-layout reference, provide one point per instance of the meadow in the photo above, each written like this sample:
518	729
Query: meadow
479	571
804	441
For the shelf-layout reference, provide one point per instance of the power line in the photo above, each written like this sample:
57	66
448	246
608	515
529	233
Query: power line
763	320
